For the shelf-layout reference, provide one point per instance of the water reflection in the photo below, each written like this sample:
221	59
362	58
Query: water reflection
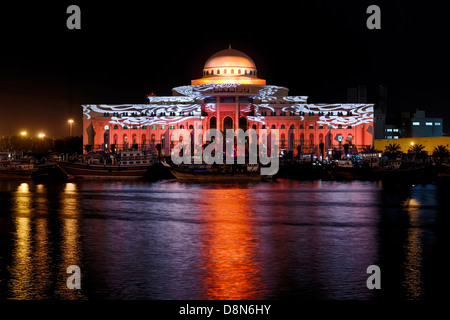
413	252
21	274
32	275
229	246
278	240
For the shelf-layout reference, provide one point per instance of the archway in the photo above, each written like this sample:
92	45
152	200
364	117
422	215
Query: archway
213	123
227	123
243	123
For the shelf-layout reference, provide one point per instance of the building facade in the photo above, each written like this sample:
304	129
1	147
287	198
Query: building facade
229	96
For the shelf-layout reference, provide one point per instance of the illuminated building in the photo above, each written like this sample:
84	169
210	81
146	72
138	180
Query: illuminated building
229	95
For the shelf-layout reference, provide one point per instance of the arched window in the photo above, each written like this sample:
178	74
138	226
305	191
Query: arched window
125	139
143	139
339	126
254	126
291	141
273	127
311	126
239	71
283	141
218	71
320	126
115	139
311	139
181	127
302	138
224	71
163	141
282	127
321	138
292	127
153	126
243	123
134	139
232	71
302	126
191	127
116	127
213	123
227	123
212	72
153	139
163	126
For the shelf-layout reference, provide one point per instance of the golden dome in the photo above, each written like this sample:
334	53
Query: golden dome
229	66
229	58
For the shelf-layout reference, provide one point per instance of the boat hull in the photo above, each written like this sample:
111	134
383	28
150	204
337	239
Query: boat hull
180	175
82	170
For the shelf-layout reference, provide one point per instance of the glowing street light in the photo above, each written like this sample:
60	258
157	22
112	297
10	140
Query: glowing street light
41	135
23	133
70	126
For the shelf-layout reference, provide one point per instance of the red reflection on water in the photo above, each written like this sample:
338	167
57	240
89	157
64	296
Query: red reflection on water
229	255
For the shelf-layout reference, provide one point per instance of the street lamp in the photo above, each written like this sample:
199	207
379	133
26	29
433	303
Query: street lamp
23	133
41	135
70	126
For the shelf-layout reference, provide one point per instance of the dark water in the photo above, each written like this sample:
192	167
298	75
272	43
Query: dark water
172	240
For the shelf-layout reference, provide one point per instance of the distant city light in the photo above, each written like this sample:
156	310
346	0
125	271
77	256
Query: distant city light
23	133
41	135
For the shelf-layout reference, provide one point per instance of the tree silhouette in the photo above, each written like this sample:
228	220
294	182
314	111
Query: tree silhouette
441	152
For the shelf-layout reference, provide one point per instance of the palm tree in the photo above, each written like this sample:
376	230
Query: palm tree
416	148
393	148
417	151
369	149
441	152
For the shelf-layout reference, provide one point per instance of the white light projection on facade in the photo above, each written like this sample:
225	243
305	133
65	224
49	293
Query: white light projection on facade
218	102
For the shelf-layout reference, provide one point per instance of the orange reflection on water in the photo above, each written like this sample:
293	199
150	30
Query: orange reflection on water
413	248
229	254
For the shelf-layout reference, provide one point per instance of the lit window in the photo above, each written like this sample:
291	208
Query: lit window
153	126
395	130
388	130
416	123
172	126
437	123
395	137
163	126
429	123
311	126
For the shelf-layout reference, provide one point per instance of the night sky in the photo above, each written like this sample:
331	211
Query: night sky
128	49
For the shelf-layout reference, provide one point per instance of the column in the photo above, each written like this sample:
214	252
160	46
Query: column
218	120
237	111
